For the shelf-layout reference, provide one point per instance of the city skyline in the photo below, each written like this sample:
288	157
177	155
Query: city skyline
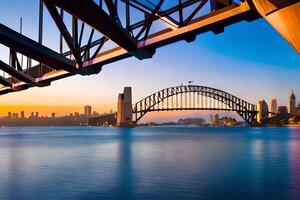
272	105
266	74
89	111
86	110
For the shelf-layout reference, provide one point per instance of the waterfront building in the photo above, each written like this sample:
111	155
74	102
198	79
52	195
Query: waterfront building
103	120
15	115
190	121
292	103
282	110
87	110
274	106
95	114
211	119
53	115
262	108
298	109
22	114
9	115
216	119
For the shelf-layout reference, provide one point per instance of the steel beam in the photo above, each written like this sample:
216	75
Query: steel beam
90	13
5	82
72	43
5	91
34	50
16	74
219	18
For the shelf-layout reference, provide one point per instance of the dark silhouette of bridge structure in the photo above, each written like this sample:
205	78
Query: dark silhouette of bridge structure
180	98
95	33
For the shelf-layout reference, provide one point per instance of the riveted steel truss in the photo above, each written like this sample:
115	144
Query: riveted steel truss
104	31
193	97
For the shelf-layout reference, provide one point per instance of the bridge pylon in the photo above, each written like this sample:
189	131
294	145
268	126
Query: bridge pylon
124	113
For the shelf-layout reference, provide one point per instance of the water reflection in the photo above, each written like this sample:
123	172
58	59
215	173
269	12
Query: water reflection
125	165
270	163
150	163
294	158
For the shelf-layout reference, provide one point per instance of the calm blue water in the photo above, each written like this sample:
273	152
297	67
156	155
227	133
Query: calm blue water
149	163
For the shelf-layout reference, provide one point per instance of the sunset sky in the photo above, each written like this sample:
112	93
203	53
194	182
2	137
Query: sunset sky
249	60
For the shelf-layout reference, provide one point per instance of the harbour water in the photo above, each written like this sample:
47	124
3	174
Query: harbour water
156	163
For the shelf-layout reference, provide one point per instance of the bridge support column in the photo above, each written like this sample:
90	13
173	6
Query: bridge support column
284	16
124	113
262	108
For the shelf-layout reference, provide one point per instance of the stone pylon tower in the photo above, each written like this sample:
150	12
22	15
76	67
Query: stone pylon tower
262	108
124	113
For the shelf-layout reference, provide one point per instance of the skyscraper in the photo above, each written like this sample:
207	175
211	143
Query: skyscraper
15	115
274	106
216	119
292	102
88	110
211	119
22	114
282	110
9	115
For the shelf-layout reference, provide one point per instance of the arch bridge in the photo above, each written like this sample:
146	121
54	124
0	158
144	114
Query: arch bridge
188	97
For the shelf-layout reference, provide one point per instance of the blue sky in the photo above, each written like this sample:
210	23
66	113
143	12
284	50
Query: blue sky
249	60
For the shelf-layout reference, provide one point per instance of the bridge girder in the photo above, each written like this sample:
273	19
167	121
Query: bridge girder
34	50
15	73
5	82
90	13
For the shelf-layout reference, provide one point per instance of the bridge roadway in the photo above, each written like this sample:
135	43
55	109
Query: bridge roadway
121	38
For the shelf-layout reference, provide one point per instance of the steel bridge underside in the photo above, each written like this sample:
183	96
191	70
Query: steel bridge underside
182	21
76	60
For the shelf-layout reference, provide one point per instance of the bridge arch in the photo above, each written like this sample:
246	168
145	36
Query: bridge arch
194	97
